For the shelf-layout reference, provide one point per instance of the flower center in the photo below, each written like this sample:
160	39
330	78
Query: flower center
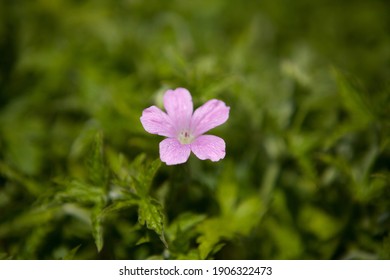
185	137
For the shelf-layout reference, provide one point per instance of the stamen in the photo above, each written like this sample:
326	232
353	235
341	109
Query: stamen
185	137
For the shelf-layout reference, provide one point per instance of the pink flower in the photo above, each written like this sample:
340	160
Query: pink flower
185	129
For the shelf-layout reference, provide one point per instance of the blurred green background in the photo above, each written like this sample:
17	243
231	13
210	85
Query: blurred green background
306	175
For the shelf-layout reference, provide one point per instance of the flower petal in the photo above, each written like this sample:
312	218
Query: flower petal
156	121
211	114
178	104
172	152
209	147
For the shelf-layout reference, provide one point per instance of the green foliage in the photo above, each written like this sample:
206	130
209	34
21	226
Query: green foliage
235	218
150	213
306	174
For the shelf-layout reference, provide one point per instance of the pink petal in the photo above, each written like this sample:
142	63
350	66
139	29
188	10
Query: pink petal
173	152
156	121
178	104
211	114
209	147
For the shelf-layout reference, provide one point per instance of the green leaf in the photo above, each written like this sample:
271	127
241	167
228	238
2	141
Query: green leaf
97	229
79	192
145	175
319	223
353	100
285	238
185	222
118	206
181	233
71	254
29	219
97	172
218	229
247	214
12	174
227	190
213	231
237	217
150	214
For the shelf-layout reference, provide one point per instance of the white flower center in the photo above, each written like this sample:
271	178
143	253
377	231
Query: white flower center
185	137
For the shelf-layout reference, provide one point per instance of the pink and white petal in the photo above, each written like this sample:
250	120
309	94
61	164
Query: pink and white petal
155	121
173	152
211	114
209	147
178	104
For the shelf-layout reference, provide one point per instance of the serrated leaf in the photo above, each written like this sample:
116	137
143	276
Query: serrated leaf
150	214
97	229
150	172
77	191
118	164
118	206
145	176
